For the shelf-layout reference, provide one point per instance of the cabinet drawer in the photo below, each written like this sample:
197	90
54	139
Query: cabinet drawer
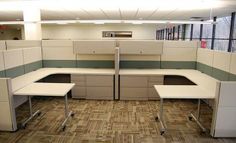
133	93
151	84
159	78
152	94
133	81
77	78
104	93
99	80
79	92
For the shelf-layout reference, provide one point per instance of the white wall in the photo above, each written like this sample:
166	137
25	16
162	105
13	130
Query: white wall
92	31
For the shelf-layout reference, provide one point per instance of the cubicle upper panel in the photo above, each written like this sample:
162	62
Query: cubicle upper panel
2	45
57	43
180	44
15	44
148	47
94	47
58	50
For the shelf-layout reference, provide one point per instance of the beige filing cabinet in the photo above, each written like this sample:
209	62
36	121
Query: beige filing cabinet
93	86
139	87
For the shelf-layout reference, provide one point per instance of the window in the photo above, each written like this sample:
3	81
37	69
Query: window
222	33
207	34
196	31
187	32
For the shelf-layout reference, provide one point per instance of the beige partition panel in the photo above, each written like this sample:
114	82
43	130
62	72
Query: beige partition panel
222	60
15	44
13	58
2	45
94	46
58	50
232	68
221	65
205	56
2	67
7	111
143	47
32	55
179	51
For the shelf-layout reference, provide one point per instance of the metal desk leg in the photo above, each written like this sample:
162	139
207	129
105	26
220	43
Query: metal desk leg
196	119
160	118
32	115
67	113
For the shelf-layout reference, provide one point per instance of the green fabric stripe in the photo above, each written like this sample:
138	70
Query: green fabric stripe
204	68
14	72
178	65
94	64
59	63
232	77
33	66
2	73
140	64
220	74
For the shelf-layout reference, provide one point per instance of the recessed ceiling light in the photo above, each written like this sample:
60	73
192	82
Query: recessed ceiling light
77	18
18	19
140	18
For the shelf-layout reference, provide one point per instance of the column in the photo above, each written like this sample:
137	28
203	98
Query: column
32	27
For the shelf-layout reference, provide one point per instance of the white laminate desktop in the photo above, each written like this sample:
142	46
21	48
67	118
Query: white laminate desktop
45	89
183	92
34	76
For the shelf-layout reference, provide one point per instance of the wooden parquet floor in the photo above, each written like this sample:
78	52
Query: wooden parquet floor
111	122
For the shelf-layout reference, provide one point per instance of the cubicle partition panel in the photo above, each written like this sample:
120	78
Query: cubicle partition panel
232	69
7	111
58	53
14	62
140	53
205	60
2	45
32	59
19	44
31	51
179	55
2	67
225	112
94	53
221	65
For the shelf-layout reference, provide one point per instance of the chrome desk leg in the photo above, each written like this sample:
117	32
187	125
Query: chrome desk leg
197	118
32	115
67	113
160	117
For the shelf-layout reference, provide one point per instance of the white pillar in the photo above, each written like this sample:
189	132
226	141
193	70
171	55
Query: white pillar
32	28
